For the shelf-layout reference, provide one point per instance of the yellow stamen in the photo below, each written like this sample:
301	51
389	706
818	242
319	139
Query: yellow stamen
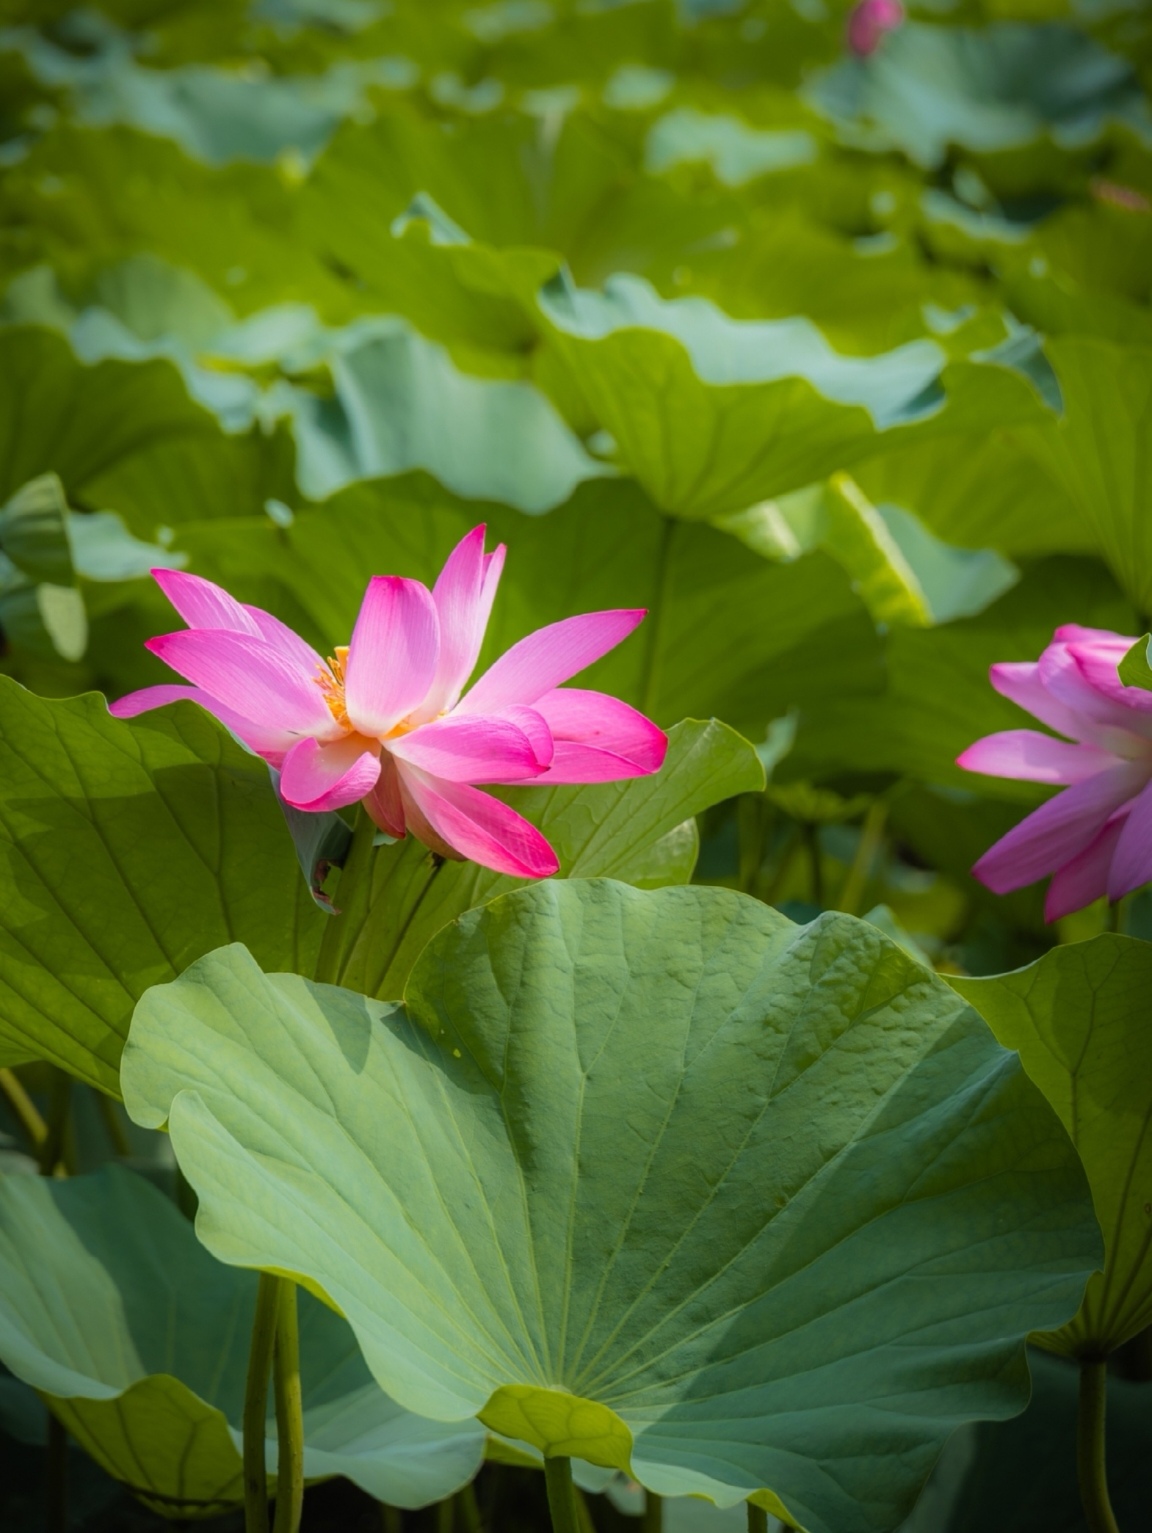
331	683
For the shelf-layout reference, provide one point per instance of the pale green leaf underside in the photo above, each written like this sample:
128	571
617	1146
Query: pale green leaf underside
1079	1019
112	1309
768	1200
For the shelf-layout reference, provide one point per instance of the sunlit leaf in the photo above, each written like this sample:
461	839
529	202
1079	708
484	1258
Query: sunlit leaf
815	1210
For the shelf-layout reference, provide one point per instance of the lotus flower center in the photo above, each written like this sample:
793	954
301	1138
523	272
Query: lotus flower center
331	683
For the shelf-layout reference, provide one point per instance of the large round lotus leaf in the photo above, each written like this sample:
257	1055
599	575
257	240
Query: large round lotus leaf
1079	1018
656	1179
138	1339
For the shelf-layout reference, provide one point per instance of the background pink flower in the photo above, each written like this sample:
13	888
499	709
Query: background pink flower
1095	838
868	22
386	720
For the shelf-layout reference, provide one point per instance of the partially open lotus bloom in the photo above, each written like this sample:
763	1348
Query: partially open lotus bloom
386	720
1095	838
868	22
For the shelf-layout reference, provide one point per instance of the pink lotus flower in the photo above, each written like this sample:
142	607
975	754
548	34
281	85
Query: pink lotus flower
387	721
868	22
1095	838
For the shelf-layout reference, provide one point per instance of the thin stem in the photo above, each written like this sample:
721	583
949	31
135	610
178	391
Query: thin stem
856	879
446	1515
757	1519
113	1127
816	871
353	894
289	1412
256	1404
390	1519
561	1495
469	1508
583	1512
653	1518
57	1471
59	1113
753	815
1090	1461
654	656
24	1109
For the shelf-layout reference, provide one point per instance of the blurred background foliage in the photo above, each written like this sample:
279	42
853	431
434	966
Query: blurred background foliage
842	366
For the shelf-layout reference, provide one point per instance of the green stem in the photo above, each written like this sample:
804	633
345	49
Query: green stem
658	607
256	1404
561	1495
24	1109
1090	1460
653	1518
816	871
587	1524
289	1412
446	1515
390	1519
757	1519
57	1470
59	1113
469	1508
753	816
353	895
113	1127
856	879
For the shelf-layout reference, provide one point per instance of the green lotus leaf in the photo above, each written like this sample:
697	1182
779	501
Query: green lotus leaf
1078	1017
1135	671
127	435
128	850
979	491
400	403
641	831
996	87
713	414
137	1338
650	1177
1096	453
81	422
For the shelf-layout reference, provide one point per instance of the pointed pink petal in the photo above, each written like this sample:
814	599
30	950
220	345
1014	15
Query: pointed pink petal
463	594
1076	633
462	748
1085	878
477	827
1100	718
249	676
318	777
549	657
392	654
202	604
1019	681
269	743
1099	666
1032	757
1132	864
593	719
1059	830
283	638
